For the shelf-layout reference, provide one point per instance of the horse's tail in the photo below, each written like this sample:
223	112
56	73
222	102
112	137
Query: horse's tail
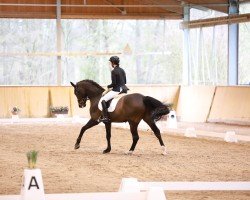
156	108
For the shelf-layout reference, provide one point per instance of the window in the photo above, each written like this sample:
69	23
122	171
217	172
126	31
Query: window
23	43
156	50
208	51
244	47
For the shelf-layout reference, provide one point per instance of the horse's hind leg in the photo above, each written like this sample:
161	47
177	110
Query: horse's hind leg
89	124
108	136
157	133
134	131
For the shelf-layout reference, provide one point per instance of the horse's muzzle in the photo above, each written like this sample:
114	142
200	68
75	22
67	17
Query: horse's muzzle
82	102
82	105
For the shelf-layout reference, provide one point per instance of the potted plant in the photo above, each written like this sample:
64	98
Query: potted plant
32	185
15	110
32	158
59	110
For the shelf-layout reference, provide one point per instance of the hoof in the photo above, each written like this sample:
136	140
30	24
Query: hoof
129	152
77	146
164	151
106	151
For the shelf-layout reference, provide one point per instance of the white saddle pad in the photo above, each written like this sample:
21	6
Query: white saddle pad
113	103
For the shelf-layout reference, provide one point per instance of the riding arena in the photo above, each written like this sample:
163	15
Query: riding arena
124	99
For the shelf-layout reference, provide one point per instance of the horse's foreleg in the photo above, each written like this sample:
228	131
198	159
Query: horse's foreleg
90	124
108	136
134	131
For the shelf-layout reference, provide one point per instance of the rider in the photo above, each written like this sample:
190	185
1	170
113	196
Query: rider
118	86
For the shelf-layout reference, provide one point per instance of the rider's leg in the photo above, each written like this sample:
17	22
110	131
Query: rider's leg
103	101
105	118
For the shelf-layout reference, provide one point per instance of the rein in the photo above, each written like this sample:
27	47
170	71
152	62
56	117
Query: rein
84	99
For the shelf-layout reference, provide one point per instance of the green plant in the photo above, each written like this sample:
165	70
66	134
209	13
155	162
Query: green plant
59	109
15	110
32	158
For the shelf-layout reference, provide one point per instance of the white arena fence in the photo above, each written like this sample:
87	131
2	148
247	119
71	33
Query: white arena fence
131	189
132	184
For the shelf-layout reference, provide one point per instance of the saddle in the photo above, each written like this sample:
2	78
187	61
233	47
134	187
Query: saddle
111	104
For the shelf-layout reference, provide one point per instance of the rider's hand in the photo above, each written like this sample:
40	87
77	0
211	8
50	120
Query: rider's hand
106	91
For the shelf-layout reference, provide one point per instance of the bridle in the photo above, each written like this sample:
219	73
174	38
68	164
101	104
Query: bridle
83	100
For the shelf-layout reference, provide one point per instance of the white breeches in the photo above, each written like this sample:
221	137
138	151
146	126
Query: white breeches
111	94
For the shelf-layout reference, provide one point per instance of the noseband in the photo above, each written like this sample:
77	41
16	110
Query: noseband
84	100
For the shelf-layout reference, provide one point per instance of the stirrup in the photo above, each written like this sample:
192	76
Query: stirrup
104	120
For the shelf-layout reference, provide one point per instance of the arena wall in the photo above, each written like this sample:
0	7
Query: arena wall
164	93
194	103
231	105
60	96
38	104
35	101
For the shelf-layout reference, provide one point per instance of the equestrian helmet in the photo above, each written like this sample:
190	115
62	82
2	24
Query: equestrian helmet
115	60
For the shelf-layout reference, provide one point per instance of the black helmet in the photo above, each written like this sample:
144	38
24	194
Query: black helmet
115	60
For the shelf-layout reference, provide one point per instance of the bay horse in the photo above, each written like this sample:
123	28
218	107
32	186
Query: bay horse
131	108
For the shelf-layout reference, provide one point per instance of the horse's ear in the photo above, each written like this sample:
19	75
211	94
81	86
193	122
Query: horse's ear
73	84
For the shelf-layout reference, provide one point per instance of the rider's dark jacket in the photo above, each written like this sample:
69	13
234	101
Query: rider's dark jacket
118	77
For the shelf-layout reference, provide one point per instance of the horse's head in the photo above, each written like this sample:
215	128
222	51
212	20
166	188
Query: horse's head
81	95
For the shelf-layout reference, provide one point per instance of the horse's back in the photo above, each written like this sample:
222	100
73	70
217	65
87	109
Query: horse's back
134	98
129	106
134	95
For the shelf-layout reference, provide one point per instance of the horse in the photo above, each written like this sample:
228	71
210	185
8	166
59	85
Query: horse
131	108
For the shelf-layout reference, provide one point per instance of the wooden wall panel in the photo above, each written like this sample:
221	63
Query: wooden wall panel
13	96
231	105
38	102
60	96
194	103
164	93
2	103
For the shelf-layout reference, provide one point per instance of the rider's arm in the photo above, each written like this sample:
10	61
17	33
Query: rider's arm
125	79
113	77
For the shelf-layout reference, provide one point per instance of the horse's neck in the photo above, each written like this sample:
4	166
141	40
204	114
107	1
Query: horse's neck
92	94
95	100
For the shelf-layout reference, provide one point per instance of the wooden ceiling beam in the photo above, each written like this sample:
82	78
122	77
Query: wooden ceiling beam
69	15
153	16
28	15
122	10
177	7
93	5
215	21
152	8
217	5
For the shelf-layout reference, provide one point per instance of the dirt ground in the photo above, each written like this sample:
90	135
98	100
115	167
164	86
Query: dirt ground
66	170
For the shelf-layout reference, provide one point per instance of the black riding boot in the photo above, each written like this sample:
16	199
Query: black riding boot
105	118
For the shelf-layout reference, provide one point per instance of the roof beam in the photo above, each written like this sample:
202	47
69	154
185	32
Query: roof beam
122	10
69	15
28	15
216	21
176	9
153	16
218	5
110	5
